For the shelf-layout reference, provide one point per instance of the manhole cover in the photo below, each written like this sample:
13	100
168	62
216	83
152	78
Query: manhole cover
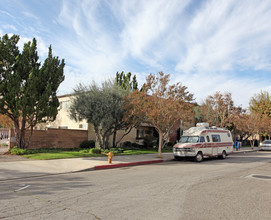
262	177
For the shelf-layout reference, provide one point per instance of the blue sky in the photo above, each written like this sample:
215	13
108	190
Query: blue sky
207	45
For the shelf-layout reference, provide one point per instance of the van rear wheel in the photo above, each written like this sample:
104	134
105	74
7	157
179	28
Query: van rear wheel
224	155
199	157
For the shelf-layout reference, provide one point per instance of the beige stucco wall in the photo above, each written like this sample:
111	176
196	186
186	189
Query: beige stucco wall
91	133
63	119
129	137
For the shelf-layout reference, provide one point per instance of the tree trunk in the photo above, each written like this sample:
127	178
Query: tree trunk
160	144
252	142
20	133
114	137
17	132
22	138
104	142
98	143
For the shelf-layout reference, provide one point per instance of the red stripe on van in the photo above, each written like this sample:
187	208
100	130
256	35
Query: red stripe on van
216	144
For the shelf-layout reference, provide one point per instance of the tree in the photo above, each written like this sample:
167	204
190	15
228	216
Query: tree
249	126
100	106
217	109
124	81
260	104
5	121
160	105
27	88
236	122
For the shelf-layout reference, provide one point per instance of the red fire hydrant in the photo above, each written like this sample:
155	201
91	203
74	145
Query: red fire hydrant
110	156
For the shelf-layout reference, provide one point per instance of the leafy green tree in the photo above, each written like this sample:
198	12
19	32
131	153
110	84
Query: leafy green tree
27	88
127	84
101	106
124	81
261	104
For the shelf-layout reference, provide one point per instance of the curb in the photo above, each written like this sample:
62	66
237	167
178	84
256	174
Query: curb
245	151
110	166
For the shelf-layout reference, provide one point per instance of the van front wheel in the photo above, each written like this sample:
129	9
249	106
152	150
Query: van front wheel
199	157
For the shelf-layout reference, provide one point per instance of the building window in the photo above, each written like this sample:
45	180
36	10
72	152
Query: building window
83	126
65	105
146	132
139	134
63	127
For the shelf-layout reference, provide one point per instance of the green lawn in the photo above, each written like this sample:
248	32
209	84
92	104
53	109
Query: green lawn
60	154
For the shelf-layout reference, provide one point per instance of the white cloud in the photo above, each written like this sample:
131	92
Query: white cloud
205	84
30	15
42	47
22	41
208	45
90	47
6	13
227	33
9	26
128	30
147	27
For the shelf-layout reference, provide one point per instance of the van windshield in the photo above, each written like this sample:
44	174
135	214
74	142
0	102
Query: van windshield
189	139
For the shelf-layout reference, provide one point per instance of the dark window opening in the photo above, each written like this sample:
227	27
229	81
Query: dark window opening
202	139
216	138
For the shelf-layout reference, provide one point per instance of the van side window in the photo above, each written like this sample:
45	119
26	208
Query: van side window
202	139
216	138
229	134
208	139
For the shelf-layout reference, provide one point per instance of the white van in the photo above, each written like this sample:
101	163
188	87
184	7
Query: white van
204	141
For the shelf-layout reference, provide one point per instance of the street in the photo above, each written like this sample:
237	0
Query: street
235	188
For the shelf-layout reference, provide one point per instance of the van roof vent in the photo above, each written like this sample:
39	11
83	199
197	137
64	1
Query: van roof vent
202	124
213	127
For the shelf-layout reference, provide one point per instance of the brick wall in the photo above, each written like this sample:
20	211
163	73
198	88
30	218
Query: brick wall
55	138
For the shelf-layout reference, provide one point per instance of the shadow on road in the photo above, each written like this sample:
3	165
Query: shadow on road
41	185
244	157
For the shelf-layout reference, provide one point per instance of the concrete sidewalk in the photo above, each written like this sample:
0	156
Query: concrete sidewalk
33	168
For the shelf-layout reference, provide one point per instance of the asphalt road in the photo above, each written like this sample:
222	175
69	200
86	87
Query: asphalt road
236	188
